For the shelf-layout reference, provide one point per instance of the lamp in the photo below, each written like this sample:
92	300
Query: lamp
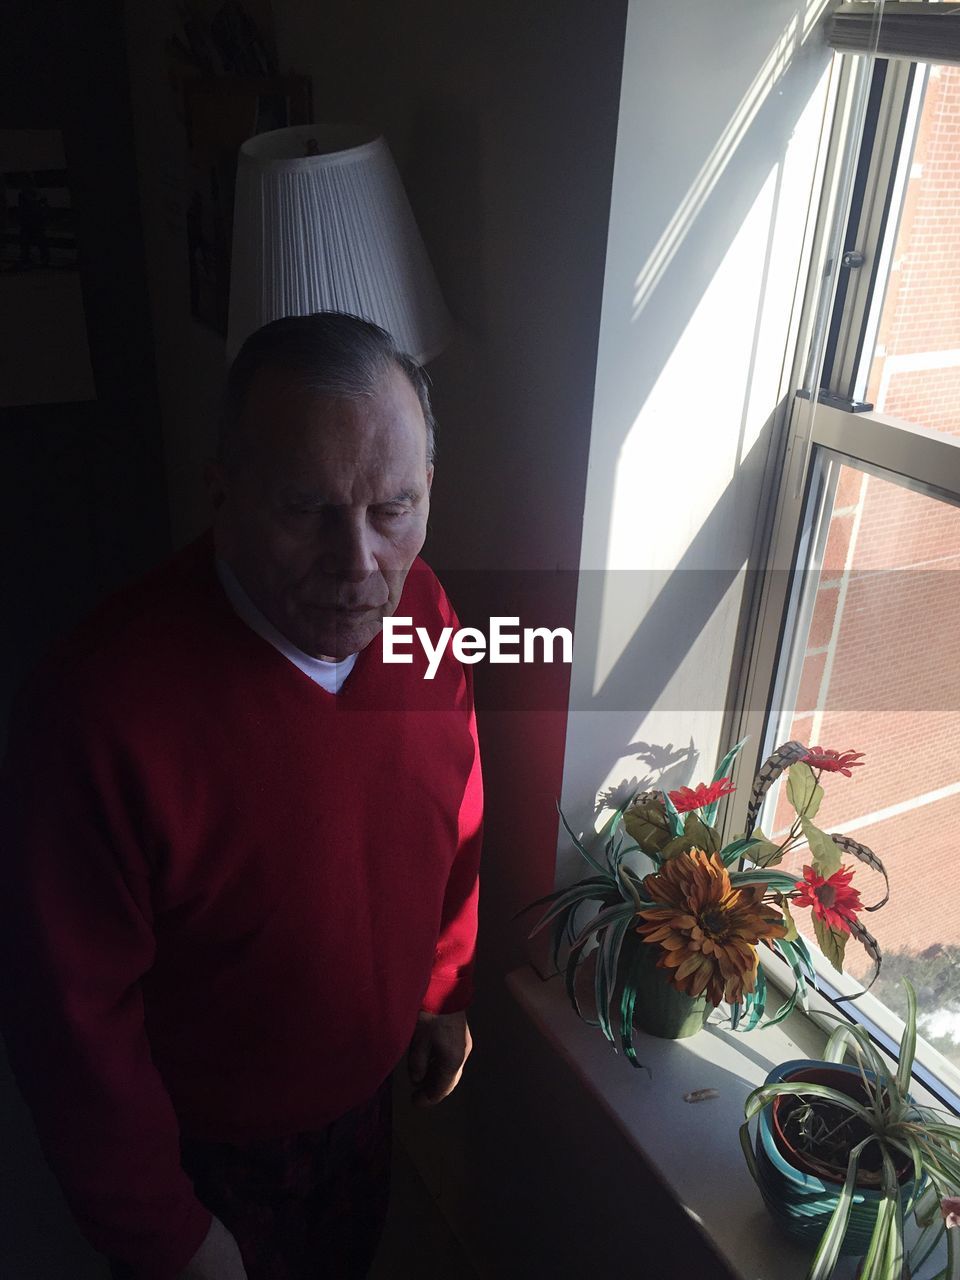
322	223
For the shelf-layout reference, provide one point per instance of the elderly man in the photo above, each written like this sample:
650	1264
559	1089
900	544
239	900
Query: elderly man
239	870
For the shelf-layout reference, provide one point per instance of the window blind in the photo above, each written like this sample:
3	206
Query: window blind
917	30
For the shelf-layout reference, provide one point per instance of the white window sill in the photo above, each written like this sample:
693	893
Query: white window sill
693	1148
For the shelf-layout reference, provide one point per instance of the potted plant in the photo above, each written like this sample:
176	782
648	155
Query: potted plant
672	944
843	1154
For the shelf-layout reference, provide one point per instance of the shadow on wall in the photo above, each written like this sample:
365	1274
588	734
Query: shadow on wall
446	170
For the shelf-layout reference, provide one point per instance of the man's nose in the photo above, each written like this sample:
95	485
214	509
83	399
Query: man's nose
347	551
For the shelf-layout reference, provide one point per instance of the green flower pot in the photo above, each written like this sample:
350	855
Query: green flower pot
800	1202
661	1010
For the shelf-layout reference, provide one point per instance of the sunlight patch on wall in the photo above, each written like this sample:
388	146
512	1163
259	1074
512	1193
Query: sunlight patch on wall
675	743
674	464
793	37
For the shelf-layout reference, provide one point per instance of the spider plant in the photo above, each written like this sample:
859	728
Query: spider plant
923	1141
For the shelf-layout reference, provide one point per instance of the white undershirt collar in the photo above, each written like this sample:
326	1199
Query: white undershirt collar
329	675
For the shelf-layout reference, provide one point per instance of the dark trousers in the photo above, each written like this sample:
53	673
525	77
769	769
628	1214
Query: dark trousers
308	1207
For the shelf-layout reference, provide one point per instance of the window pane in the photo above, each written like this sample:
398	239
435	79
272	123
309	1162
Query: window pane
915	372
878	671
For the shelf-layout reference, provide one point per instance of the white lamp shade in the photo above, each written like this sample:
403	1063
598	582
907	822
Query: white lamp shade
332	231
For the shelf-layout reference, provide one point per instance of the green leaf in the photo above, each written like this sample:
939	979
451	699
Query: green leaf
927	1208
908	1042
575	958
792	934
732	852
785	1009
556	894
826	854
828	1250
776	881
647	824
925	1244
724	766
565	929
952	1270
748	1152
766	853
797	955
847	1034
832	942
803	790
609	915
804	953
580	847
584	891
635	968
676	822
679	844
759	1097
608	964
911	1146
609	828
884	1257
761	851
630	887
756	1001
703	836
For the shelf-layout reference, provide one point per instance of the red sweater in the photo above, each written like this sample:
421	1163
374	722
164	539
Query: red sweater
224	892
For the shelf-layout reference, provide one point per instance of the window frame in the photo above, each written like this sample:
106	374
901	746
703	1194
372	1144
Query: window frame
866	154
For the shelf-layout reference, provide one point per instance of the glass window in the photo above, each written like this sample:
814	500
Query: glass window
915	370
876	668
858	643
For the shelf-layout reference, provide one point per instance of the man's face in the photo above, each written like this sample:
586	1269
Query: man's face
327	510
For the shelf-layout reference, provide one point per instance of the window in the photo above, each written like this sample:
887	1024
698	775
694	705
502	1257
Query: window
857	620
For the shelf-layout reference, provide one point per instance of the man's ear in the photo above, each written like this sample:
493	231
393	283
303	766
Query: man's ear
429	477
215	481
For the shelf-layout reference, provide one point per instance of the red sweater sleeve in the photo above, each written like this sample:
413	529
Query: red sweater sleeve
451	980
76	938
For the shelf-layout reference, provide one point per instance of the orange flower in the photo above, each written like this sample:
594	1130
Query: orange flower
707	929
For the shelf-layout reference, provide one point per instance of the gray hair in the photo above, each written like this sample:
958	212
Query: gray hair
329	353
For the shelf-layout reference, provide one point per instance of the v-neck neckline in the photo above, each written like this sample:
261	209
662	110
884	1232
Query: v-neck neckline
231	617
329	674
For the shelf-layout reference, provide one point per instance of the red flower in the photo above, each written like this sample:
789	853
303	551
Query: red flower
687	798
833	900
833	761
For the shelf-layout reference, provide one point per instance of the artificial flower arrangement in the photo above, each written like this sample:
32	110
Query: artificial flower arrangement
698	918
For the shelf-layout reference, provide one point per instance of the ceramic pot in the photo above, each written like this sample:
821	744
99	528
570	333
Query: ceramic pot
799	1201
661	1010
845	1080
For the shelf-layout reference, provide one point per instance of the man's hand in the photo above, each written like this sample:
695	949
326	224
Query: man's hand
440	1046
218	1258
